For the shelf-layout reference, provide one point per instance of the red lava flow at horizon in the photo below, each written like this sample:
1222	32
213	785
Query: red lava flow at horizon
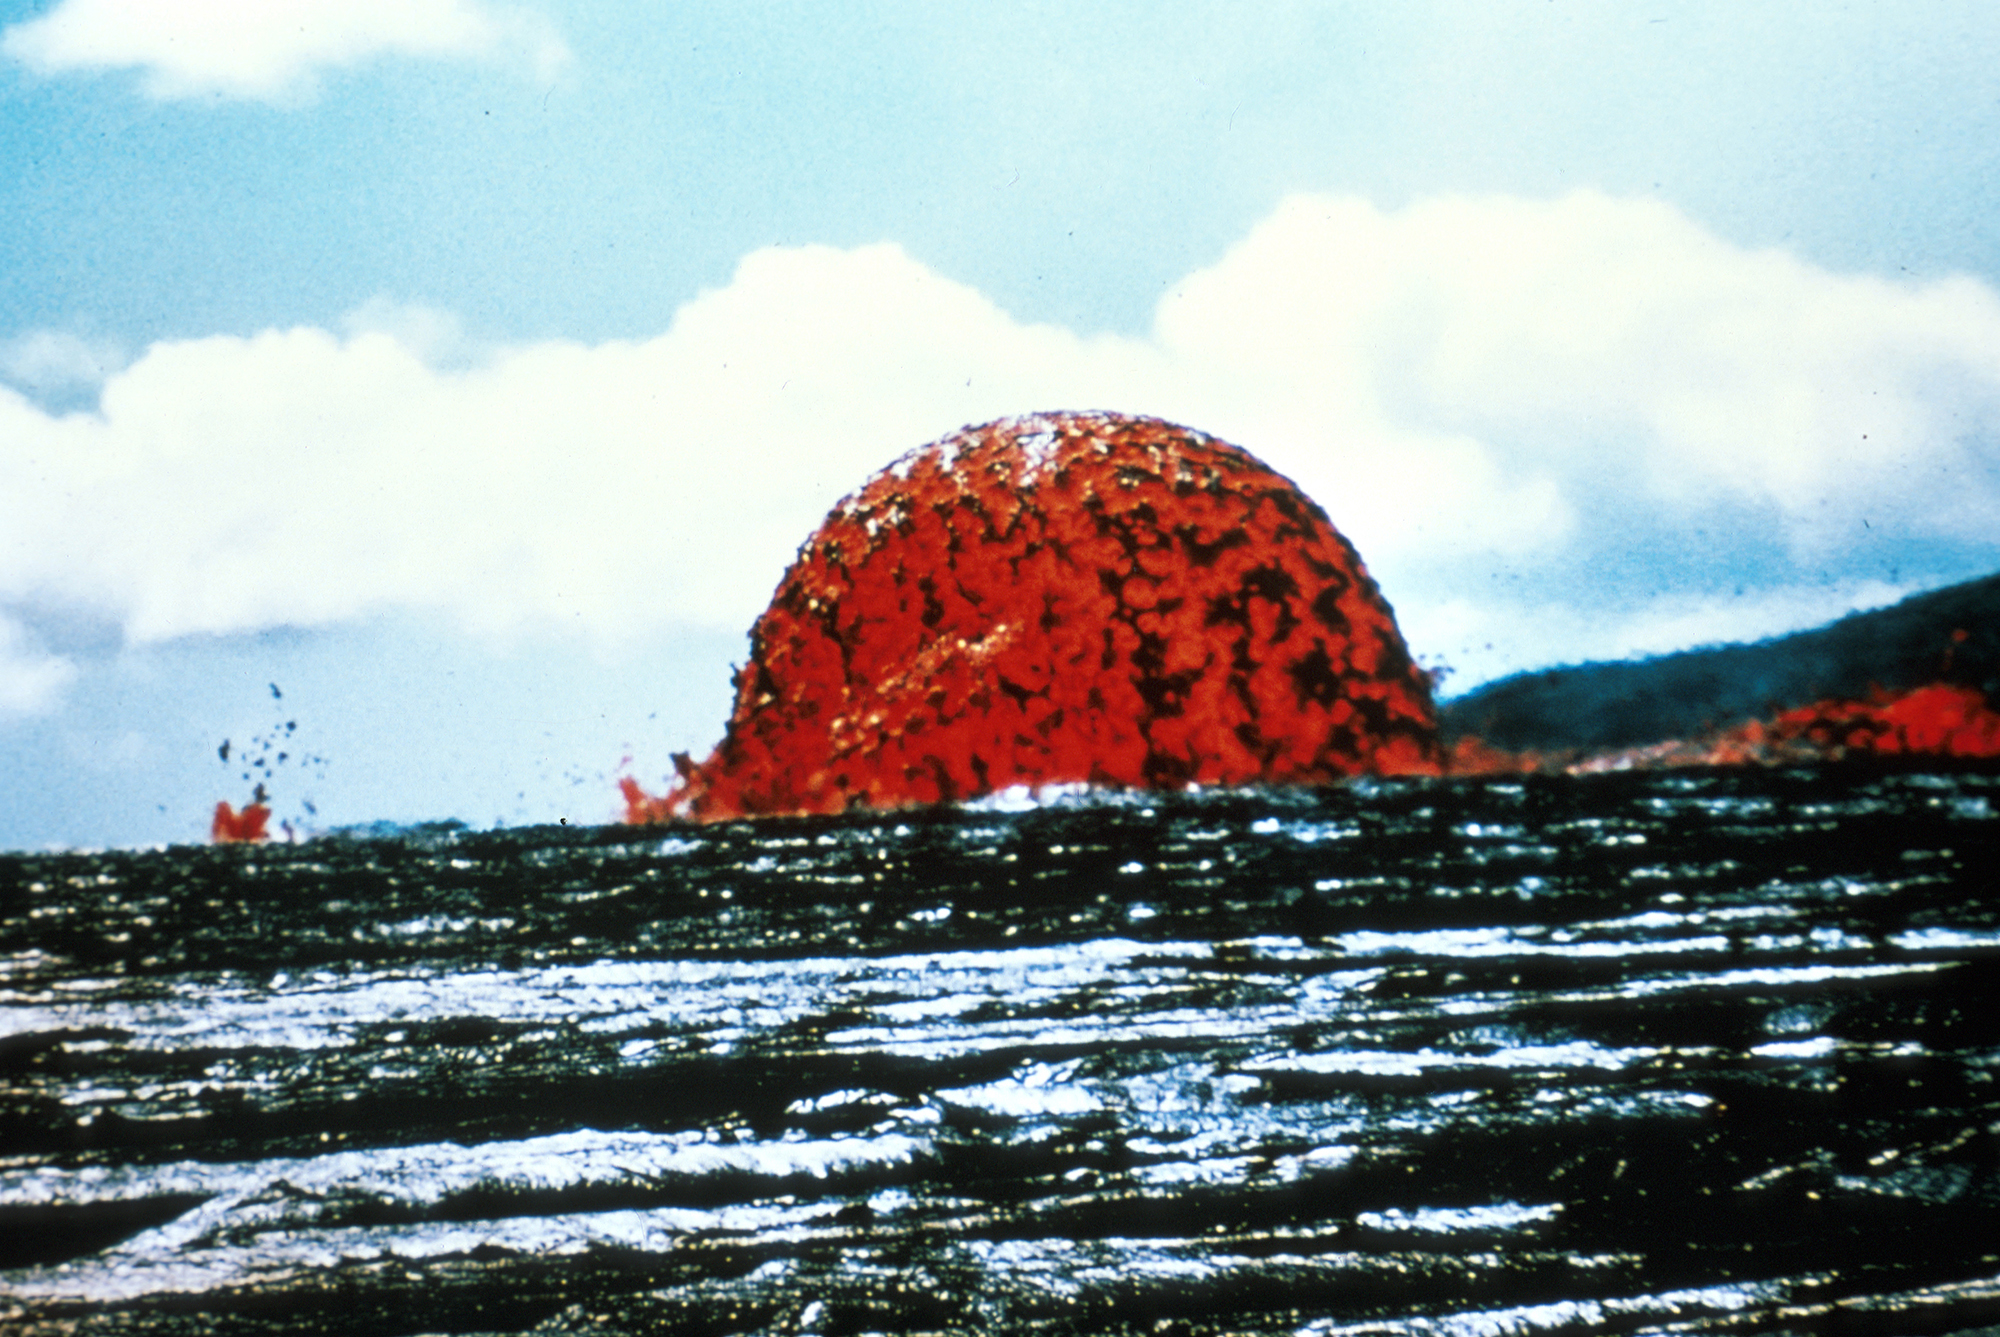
1939	720
1942	720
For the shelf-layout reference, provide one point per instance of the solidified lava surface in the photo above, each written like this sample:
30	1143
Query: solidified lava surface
1059	598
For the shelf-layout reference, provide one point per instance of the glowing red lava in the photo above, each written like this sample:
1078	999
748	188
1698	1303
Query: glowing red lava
1941	720
1067	597
231	827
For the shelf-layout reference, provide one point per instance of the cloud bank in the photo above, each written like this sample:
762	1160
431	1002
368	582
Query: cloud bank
1464	384
273	50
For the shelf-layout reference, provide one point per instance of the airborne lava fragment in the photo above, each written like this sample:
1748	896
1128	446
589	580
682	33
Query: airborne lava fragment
1068	597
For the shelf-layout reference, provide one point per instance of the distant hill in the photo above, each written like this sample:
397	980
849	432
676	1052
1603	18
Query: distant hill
1635	702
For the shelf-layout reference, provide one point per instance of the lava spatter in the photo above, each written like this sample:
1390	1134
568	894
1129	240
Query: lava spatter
230	827
260	761
1061	598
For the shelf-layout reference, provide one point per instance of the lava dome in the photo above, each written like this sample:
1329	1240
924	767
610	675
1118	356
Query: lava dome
1063	598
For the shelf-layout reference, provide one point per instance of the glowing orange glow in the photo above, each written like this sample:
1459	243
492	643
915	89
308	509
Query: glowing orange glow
231	827
641	807
1939	720
1474	756
1073	597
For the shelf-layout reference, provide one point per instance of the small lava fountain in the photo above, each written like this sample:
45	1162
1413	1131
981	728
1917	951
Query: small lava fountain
268	751
230	827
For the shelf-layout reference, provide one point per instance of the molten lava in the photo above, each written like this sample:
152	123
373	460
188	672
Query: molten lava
1075	597
1942	720
1939	720
232	827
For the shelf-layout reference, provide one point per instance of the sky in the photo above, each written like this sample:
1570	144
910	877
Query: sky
434	391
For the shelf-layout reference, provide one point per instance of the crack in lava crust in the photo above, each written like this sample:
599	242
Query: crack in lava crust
1059	598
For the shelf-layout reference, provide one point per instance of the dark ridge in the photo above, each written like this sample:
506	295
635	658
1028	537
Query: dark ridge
1627	704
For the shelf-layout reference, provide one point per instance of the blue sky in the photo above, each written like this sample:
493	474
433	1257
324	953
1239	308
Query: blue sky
471	370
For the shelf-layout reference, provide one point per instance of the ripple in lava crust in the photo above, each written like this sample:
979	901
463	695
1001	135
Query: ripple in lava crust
1071	597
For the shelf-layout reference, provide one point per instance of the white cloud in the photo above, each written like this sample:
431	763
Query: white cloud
297	476
438	337
1461	381
272	50
1606	345
31	681
54	362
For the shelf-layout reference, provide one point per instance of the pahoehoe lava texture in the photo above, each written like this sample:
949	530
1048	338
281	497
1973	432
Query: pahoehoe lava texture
1073	597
